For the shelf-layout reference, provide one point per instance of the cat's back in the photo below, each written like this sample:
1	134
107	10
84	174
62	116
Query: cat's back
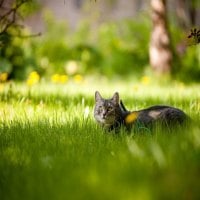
162	113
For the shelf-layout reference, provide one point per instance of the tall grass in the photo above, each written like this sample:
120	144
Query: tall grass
51	148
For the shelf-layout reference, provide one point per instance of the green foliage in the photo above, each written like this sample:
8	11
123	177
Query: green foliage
5	66
16	52
186	56
29	7
191	64
123	48
111	48
50	148
116	48
52	45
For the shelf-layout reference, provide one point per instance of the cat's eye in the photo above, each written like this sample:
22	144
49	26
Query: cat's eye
109	108
100	108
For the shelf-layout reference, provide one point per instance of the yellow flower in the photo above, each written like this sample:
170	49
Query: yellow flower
78	78
1	87
145	80
30	82
33	78
3	77
131	117
55	78
63	78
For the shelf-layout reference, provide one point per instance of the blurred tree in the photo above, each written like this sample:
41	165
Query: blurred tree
160	50
10	13
12	33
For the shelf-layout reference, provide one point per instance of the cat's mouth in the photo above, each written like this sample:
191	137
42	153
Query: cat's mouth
109	120
106	120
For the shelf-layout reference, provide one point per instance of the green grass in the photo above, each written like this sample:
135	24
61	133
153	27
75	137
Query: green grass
50	148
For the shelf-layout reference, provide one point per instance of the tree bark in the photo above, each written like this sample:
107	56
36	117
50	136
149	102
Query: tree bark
160	49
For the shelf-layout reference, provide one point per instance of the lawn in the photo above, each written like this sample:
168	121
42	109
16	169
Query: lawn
51	147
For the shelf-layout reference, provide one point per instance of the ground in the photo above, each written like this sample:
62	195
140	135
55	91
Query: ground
51	147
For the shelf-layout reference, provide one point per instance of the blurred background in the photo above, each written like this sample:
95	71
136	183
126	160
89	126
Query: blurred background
55	40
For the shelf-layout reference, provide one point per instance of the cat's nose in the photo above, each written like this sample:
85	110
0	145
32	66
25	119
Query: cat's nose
104	115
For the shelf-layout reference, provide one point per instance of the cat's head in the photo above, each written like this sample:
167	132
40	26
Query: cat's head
106	110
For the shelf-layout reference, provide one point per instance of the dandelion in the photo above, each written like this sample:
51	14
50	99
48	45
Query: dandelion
131	117
33	78
78	78
1	87
145	80
55	78
3	77
63	78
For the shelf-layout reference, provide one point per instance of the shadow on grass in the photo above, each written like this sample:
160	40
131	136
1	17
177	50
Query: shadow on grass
44	159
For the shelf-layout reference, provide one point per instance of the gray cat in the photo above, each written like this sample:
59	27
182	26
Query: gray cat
112	114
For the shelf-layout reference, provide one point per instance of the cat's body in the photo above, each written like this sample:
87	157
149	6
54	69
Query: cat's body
112	114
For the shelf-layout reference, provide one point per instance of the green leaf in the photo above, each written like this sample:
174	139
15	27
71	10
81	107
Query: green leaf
5	65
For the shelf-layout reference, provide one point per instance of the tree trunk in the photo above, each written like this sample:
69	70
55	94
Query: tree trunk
160	50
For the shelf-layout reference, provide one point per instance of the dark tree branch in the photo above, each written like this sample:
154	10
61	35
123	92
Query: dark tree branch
1	2
9	17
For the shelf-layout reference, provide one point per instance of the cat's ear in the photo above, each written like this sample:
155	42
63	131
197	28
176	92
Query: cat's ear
97	96
115	98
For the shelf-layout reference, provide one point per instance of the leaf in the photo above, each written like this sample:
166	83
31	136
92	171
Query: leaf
5	65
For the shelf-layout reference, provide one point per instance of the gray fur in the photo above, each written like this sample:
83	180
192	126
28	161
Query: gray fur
107	112
111	114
